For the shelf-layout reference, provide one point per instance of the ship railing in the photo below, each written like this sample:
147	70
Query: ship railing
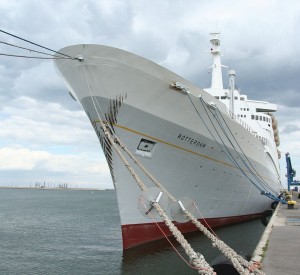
241	122
237	119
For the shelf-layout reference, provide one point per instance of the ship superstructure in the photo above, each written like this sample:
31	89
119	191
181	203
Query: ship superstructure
257	116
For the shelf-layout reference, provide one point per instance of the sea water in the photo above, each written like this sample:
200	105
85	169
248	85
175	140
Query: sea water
78	232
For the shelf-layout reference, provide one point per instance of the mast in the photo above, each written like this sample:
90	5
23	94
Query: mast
216	80
231	90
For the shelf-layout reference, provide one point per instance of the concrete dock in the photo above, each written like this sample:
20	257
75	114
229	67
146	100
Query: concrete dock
279	247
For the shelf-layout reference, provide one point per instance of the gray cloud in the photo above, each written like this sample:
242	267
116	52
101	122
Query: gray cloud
259	40
290	128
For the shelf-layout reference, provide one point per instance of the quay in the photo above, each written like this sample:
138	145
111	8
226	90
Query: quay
279	247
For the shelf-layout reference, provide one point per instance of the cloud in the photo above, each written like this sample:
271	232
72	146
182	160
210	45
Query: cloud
290	128
25	159
259	40
21	159
48	165
38	136
28	120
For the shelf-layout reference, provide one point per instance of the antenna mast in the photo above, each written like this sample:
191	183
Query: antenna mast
216	80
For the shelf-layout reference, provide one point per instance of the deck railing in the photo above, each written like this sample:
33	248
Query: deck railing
263	140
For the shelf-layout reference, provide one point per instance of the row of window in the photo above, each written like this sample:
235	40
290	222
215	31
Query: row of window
244	109
261	118
263	139
227	97
257	117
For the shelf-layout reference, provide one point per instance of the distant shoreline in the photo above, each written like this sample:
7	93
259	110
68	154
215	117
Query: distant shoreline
54	188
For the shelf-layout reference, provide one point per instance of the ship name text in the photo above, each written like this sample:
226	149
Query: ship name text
191	141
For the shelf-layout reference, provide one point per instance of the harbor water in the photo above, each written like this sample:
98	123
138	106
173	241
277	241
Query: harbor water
78	232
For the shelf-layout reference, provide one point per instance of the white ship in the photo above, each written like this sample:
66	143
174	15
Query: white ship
213	145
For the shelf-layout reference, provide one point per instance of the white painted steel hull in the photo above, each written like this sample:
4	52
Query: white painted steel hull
136	97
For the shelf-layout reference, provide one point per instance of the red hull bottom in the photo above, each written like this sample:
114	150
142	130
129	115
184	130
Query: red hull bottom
137	234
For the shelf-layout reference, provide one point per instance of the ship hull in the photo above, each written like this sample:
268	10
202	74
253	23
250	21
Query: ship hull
138	234
175	135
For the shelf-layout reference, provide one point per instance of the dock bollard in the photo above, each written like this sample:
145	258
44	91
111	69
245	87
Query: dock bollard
291	204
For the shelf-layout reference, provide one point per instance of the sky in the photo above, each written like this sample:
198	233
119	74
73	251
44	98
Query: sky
45	135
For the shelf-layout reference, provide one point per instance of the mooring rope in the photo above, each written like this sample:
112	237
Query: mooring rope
38	45
256	175
240	264
172	245
147	173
